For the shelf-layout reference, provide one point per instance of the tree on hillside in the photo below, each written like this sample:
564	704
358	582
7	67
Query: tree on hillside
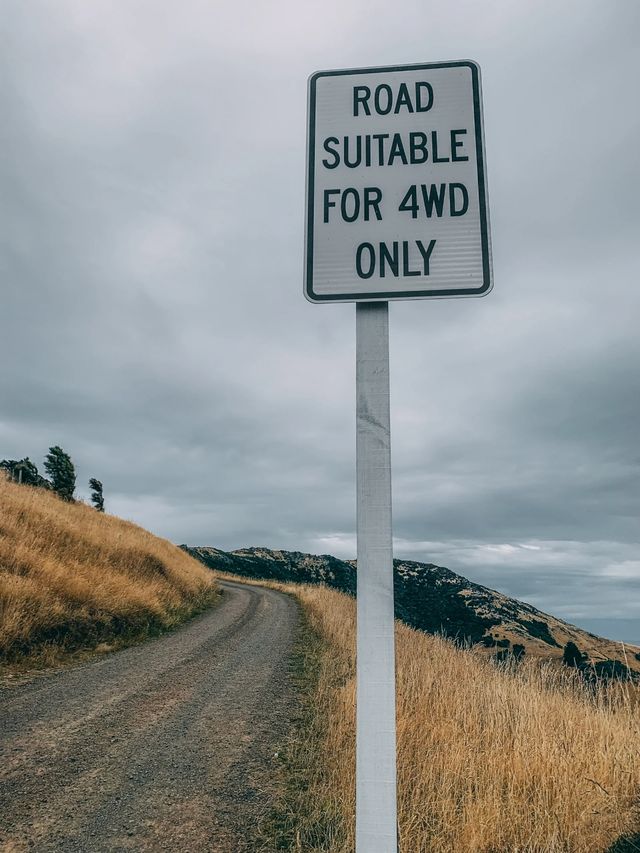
97	498
59	467
25	472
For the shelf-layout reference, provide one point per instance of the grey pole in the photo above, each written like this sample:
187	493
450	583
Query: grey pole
375	713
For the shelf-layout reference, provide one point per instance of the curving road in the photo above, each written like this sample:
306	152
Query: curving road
169	745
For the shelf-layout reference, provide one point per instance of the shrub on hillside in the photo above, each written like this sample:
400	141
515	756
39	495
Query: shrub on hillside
613	670
572	656
25	472
508	655
518	651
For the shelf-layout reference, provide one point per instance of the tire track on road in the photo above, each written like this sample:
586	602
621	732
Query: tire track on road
167	745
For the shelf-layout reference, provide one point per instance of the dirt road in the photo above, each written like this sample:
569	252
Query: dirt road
164	746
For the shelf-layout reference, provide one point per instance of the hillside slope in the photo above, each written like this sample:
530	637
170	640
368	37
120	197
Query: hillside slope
491	759
436	600
72	578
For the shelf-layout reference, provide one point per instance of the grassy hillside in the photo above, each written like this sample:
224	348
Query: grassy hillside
492	758
73	578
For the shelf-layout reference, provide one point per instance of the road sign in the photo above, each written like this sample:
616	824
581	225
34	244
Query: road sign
396	188
396	209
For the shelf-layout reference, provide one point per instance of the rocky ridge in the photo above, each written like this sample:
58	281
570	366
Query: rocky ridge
437	600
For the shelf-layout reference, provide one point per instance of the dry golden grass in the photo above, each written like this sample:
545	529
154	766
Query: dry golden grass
490	760
71	577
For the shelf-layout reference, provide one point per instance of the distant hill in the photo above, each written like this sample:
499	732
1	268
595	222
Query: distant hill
436	600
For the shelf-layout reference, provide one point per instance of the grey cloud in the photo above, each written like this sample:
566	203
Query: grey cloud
152	319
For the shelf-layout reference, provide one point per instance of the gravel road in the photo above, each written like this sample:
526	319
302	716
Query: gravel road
169	745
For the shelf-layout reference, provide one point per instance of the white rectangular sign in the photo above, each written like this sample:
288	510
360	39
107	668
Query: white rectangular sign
396	190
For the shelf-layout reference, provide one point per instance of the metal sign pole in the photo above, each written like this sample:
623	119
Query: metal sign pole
375	713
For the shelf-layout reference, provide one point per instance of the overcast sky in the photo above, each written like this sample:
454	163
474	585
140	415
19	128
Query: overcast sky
152	320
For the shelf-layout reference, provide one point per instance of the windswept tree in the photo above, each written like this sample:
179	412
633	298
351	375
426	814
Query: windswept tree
97	498
59	467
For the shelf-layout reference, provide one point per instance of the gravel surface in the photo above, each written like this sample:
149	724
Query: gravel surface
169	745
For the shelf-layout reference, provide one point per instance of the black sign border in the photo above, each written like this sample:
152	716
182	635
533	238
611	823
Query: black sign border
482	191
